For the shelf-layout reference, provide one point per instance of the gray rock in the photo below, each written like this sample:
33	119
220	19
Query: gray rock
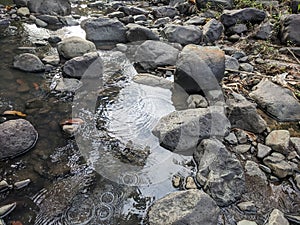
51	20
75	46
253	170
132	11
248	207
237	29
161	21
219	172
279	166
104	31
138	18
23	11
68	21
277	218
140	33
89	65
231	63
116	15
246	67
50	7
21	3
224	4
246	222
212	31
231	139
199	69
240	149
243	114
4	24
184	35
191	207
297	180
154	81
252	15
165	11
16	137
263	150
181	131
29	63
241	136
279	141
295	141
277	101
290	31
196	20
68	84
264	31
151	54
196	101
40	23
51	59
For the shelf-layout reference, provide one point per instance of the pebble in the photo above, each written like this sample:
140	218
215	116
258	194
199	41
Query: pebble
277	218
21	184
176	181
4	186
246	222
240	149
247	206
279	140
263	150
190	183
6	209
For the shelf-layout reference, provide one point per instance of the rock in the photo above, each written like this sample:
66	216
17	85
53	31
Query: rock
196	20
263	150
88	66
231	139
264	31
191	207
237	29
295	141
246	222
277	101
29	63
224	4
196	101
51	20
290	31
248	207
199	69
138	18
4	186
212	31
297	180
69	21
231	63
4	24
240	149
277	218
165	11
181	131
16	137
154	81
279	140
276	162
74	46
7	209
50	7
21	184
184	35
52	60
253	169
243	114
68	84
40	23
133	11
104	31
21	3
54	39
139	33
161	22
219	172
151	54
116	15
246	15
190	183
241	136
23	11
246	67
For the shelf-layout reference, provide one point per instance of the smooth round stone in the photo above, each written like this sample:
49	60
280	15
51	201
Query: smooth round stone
16	137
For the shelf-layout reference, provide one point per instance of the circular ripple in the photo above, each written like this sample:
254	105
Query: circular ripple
104	212
107	197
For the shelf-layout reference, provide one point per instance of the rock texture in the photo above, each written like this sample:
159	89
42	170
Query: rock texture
277	218
212	31
29	63
279	166
16	137
290	29
140	33
51	7
279	141
184	35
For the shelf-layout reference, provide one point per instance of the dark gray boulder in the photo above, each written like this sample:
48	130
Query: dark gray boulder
16	137
277	101
104	31
290	31
200	69
184	35
140	33
181	131
50	7
151	54
4	24
251	15
264	31
165	11
191	207
29	63
219	172
212	31
133	11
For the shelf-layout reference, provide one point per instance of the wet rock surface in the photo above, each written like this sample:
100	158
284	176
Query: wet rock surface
29	63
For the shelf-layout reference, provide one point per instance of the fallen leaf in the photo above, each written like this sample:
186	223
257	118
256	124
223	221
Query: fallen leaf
36	86
72	121
16	223
14	113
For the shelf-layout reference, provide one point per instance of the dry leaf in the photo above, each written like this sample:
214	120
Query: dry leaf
14	113
72	121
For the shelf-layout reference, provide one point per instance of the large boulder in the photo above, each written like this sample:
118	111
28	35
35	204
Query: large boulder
50	7
290	32
104	31
136	32
75	46
219	172
89	65
16	137
247	15
151	54
200	68
212	31
277	101
181	131
29	63
191	207
184	35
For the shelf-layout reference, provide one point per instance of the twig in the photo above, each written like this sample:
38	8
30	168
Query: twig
292	53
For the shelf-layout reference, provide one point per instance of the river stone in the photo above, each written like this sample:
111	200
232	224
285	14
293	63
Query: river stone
181	131
279	166
246	222
295	141
196	101
240	149
68	84
184	35
243	114
252	15
199	69
133	11
264	31
231	63
263	150
29	63
248	207
165	11
74	46
51	20
153	81
253	169
23	11
191	207
279	102
151	54
89	65
140	33
277	218
279	141
50	7
219	172
4	23
104	31
290	31
16	137
212	31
